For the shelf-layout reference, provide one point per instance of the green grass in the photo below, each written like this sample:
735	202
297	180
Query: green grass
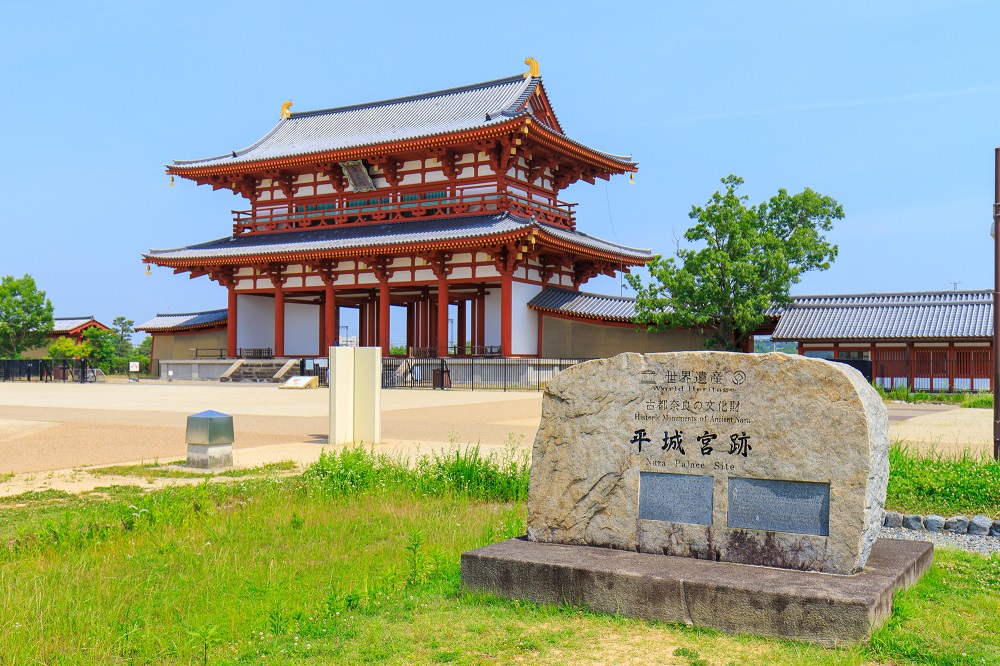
940	483
978	399
357	561
169	470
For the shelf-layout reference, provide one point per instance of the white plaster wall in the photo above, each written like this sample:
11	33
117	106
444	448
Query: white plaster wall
492	317
524	320
301	329
461	272
254	321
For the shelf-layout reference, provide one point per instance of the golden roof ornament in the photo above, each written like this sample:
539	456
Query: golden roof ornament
286	109
532	68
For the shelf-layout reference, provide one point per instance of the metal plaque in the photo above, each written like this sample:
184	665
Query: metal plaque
676	498
780	506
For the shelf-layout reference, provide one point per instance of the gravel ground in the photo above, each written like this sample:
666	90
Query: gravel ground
970	542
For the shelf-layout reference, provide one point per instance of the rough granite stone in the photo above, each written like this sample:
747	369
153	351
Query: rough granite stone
893	519
995	530
934	522
980	524
774	416
957	524
913	521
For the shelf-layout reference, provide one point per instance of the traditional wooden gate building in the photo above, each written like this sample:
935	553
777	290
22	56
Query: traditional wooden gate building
447	198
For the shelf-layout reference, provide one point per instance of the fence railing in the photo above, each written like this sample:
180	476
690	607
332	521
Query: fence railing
60	370
222	352
472	373
455	350
368	210
933	374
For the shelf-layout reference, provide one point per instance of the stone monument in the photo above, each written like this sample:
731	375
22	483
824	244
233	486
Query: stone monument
724	460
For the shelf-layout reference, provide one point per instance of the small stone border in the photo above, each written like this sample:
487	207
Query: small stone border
977	525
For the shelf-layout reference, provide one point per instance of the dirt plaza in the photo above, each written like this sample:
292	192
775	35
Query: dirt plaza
60	428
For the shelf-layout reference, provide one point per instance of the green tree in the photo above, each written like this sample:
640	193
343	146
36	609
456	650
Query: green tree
64	348
744	261
123	328
145	348
25	316
102	343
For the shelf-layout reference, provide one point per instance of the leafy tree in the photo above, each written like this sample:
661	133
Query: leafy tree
64	348
102	343
25	315
745	262
123	328
145	348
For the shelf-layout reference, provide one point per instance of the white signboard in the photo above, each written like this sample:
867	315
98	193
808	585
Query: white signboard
133	366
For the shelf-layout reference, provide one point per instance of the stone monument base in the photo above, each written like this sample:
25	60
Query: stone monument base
738	598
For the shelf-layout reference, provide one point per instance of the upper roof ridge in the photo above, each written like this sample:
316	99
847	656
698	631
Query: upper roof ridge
413	98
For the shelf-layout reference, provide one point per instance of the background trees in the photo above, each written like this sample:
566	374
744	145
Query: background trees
25	316
745	260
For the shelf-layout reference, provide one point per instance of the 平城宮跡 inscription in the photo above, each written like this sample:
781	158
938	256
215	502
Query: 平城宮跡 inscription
713	455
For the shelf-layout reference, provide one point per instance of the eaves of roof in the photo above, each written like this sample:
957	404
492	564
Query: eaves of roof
336	242
584	304
480	110
187	321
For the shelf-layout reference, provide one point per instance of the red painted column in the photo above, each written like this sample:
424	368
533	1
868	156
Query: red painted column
330	316
474	317
372	321
231	323
460	328
383	316
442	316
506	312
363	324
279	322
481	318
409	327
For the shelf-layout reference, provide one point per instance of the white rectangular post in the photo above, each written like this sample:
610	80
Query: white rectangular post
368	394
341	396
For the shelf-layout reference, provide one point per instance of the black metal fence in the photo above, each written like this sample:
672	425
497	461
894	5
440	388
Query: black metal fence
46	370
60	370
472	373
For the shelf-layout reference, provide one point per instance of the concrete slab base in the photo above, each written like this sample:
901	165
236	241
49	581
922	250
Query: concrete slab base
738	598
209	457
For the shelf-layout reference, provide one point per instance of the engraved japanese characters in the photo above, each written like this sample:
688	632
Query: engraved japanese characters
759	459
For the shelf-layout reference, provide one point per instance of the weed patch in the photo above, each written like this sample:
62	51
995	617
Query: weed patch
939	483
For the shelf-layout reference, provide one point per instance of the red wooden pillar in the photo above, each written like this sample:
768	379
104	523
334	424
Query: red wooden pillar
951	367
506	312
474	329
363	324
431	323
481	318
321	339
383	315
330	313
460	328
372	321
409	327
910	360
279	321
442	315
231	323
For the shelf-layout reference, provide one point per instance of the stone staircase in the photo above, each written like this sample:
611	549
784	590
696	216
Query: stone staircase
254	370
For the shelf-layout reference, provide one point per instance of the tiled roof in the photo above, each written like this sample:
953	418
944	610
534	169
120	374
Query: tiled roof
67	324
584	304
432	114
184	322
384	235
892	316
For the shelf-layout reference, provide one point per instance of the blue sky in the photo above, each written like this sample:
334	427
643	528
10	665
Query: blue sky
884	106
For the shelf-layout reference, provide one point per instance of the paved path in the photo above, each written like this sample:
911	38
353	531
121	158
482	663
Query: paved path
60	428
